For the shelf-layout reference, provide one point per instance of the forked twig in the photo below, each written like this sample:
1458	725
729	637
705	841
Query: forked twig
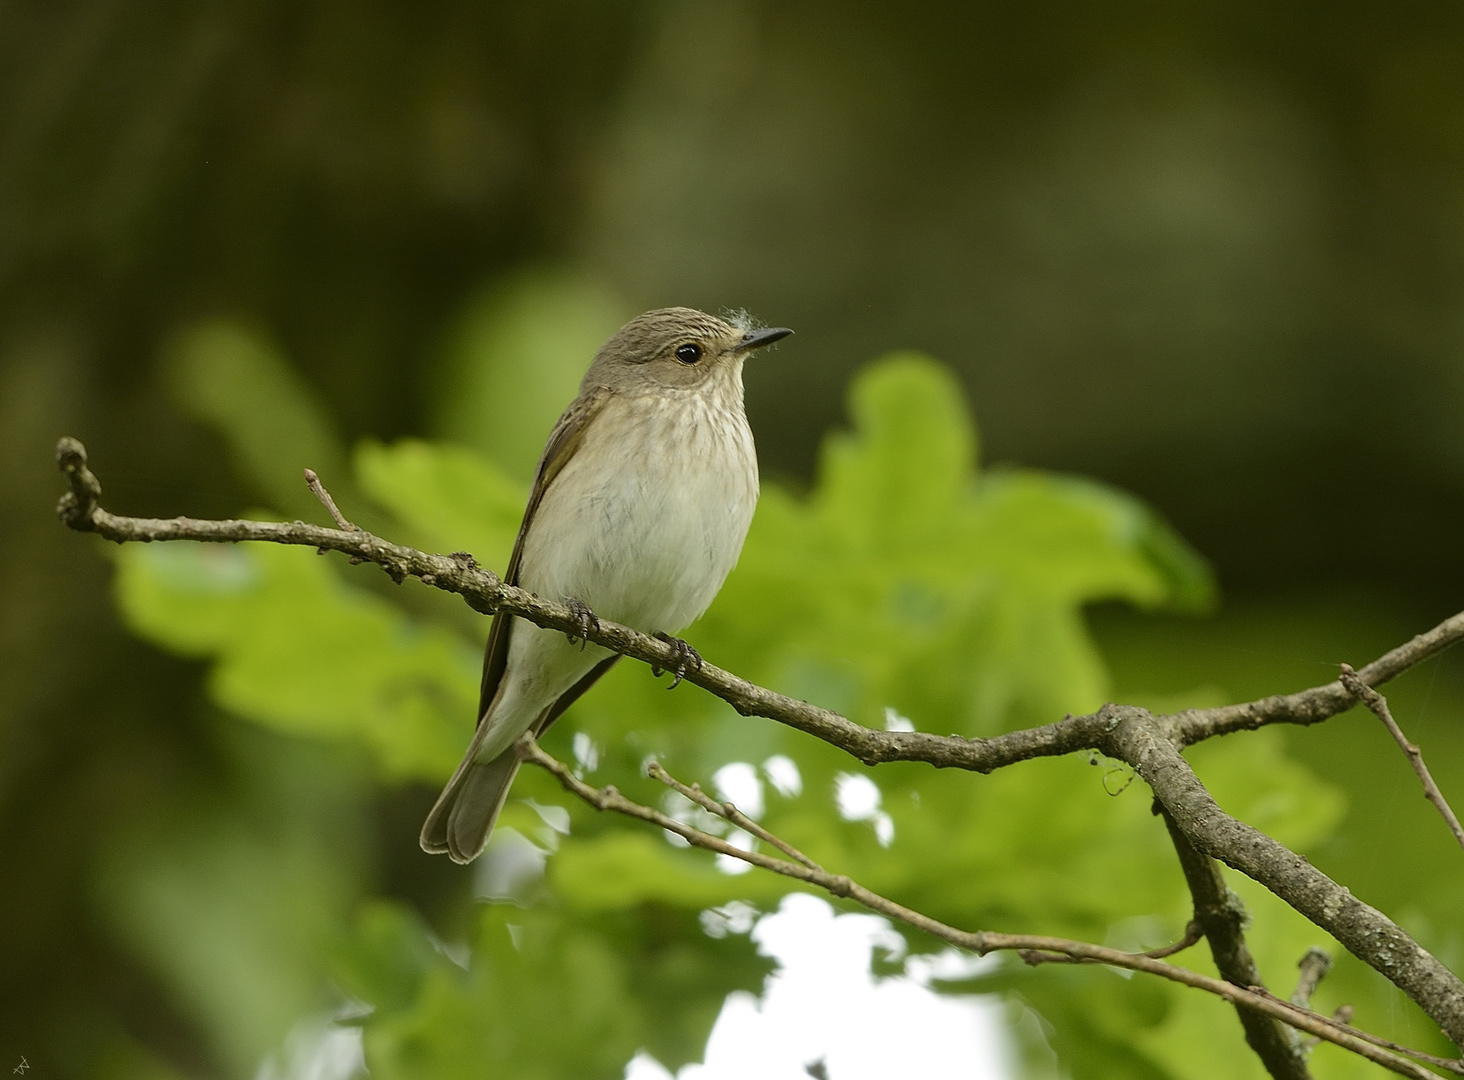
1031	947
1379	706
728	812
1193	935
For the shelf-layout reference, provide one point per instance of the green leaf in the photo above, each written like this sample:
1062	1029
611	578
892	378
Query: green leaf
543	996
943	592
298	650
624	868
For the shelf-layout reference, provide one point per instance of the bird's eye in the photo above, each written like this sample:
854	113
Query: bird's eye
689	353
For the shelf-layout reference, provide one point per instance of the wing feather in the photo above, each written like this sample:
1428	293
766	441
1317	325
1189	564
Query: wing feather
564	440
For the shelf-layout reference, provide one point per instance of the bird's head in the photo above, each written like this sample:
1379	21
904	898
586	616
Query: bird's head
679	348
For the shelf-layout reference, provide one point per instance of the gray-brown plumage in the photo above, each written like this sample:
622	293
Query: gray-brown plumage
639	507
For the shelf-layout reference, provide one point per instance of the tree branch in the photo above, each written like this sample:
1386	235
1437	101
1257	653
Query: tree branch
1363	930
1149	744
485	592
80	509
1193	935
980	942
1221	916
1313	968
1320	702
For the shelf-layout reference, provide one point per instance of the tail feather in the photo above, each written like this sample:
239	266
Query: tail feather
462	819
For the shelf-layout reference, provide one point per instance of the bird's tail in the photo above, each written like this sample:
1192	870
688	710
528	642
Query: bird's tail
462	819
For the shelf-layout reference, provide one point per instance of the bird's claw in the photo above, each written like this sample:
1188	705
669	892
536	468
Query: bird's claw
584	618
686	657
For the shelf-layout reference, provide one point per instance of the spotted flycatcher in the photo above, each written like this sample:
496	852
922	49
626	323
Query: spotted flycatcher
639	508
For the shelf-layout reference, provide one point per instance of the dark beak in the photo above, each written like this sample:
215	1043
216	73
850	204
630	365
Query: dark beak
756	339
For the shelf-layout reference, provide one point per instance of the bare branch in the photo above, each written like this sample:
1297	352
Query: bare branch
1193	935
1320	702
1313	967
1221	916
485	592
1379	706
1149	744
1365	932
979	942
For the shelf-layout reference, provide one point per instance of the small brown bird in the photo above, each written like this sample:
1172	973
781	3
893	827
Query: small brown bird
638	512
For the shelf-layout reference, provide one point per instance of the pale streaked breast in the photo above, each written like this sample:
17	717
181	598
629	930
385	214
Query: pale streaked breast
648	518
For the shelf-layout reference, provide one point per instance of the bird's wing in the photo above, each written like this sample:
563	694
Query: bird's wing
564	440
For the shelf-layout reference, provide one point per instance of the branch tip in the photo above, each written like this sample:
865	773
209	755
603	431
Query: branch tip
312	481
77	506
1313	967
1194	933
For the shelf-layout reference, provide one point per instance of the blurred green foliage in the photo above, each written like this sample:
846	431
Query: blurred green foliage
1211	253
906	586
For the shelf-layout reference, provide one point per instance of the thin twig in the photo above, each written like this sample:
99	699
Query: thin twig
1320	702
1193	935
1454	1065
728	812
312	481
1342	1017
80	509
1379	706
1313	966
980	942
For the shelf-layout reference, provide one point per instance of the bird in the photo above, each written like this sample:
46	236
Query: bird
639	508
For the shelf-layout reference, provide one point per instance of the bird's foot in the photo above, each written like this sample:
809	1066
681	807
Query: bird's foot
685	658
586	620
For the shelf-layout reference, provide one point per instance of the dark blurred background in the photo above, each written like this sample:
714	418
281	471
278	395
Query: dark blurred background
1212	253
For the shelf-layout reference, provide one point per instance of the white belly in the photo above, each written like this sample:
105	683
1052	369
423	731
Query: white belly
642	535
